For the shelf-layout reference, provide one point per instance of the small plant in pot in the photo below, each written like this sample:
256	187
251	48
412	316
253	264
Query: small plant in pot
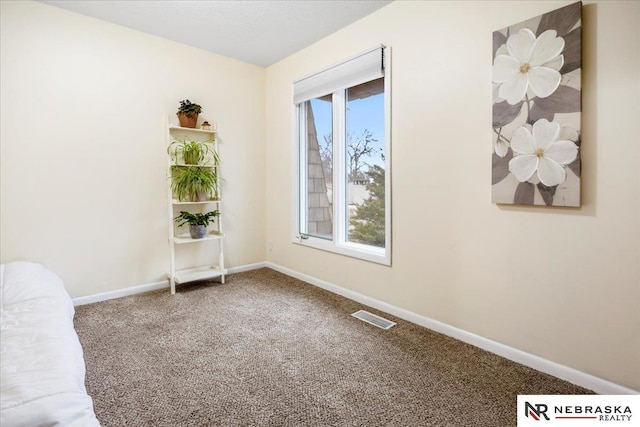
192	152
198	222
188	113
194	183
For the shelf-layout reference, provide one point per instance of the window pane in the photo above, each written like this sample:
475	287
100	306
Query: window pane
319	167
365	147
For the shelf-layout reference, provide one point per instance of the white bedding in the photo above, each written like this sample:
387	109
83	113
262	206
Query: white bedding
42	366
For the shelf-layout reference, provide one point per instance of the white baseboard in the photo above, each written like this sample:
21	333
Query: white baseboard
598	385
247	267
119	293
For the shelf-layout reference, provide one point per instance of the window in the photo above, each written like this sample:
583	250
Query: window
342	200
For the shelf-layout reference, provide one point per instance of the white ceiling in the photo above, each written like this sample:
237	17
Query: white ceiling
260	32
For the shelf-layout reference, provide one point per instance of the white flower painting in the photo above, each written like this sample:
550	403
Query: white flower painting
536	110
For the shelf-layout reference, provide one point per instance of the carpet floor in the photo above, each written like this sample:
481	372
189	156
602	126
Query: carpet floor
265	349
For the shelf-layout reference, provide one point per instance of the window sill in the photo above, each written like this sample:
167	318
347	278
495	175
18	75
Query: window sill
353	250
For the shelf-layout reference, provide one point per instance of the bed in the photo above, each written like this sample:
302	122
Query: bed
42	365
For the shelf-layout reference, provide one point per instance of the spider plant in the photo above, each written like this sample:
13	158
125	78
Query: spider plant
194	183
193	152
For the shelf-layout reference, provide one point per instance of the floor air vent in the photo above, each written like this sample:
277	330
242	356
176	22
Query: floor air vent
378	321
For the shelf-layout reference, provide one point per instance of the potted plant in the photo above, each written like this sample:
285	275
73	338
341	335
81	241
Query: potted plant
188	113
194	183
192	152
198	222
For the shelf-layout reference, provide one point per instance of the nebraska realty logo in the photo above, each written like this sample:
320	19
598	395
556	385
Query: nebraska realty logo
581	410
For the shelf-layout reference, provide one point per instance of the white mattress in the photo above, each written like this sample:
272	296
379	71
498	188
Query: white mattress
42	370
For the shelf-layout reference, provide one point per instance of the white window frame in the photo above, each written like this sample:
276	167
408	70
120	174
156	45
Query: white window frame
339	244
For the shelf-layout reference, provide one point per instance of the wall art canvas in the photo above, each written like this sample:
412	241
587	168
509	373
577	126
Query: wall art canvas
537	67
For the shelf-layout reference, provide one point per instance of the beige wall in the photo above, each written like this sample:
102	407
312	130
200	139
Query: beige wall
82	146
559	283
82	181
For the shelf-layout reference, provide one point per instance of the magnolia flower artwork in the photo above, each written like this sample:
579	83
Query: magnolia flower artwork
537	67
